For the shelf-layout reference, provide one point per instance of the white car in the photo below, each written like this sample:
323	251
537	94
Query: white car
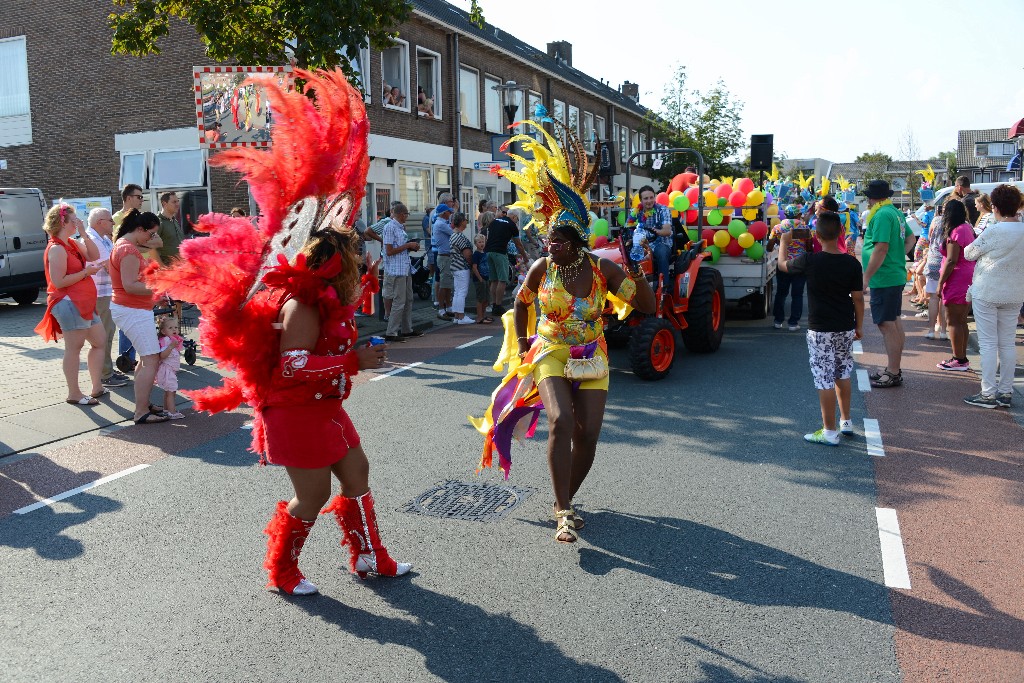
942	195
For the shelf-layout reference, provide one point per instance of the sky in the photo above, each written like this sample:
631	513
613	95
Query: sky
828	79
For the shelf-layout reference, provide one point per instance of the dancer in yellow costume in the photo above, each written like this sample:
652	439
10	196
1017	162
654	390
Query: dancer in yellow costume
557	361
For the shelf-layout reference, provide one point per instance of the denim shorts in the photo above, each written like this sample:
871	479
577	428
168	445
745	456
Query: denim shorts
68	317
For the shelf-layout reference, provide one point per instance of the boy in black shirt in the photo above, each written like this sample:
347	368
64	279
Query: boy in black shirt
835	297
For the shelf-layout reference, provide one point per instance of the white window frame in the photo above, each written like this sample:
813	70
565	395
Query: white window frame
490	81
428	192
587	133
643	142
623	143
572	119
16	129
438	100
145	170
204	176
633	142
600	129
405	76
363	70
532	99
464	106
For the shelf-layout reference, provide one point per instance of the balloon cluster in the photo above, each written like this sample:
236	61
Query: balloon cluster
735	239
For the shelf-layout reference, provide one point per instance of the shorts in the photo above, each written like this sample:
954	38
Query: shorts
310	435
831	355
483	291
886	304
68	317
553	365
931	286
432	257
497	267
139	325
444	264
920	249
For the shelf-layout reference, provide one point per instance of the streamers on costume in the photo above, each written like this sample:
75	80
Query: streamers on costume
311	180
555	194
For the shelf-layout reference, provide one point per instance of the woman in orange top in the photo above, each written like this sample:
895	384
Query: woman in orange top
132	305
71	300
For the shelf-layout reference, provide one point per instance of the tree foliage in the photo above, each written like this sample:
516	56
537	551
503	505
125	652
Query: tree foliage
708	121
263	31
875	165
949	160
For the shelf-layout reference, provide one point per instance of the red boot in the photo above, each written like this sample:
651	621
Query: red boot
286	536
358	523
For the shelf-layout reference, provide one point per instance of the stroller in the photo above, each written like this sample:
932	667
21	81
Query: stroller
188	318
421	283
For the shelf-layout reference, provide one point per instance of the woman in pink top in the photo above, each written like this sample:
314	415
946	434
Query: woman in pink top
132	305
954	279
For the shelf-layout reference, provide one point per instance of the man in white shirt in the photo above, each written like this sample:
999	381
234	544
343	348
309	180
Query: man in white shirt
397	279
100	231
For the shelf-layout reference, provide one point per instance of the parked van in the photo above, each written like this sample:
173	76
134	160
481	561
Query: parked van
942	195
22	242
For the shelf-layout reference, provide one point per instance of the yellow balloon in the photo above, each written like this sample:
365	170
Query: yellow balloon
750	214
773	210
755	198
722	238
672	195
621	197
774	221
710	198
715	182
636	201
745	240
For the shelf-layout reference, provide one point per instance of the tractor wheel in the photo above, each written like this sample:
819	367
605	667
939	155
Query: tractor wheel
652	348
26	296
705	316
761	304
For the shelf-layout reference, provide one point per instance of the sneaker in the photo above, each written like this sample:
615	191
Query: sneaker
1004	400
465	320
820	437
414	333
115	380
931	335
175	416
794	328
954	364
943	336
846	426
778	326
922	314
982	401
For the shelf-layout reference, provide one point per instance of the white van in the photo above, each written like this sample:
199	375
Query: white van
942	195
22	243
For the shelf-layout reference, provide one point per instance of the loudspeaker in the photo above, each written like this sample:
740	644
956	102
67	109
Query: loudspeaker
761	151
606	164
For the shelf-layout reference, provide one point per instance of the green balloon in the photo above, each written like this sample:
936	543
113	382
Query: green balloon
737	227
681	203
600	228
715	252
755	251
722	201
692	234
715	217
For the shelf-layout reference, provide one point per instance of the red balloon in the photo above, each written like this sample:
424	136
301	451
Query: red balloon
734	248
692	193
691	216
758	229
708	235
745	185
662	198
691	178
737	198
678	183
600	241
723	190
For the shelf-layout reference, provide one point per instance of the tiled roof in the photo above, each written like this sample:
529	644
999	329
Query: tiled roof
854	171
965	140
493	36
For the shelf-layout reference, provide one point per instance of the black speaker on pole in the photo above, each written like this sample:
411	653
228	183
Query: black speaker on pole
761	151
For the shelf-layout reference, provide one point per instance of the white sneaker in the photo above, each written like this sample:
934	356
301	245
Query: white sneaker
931	335
921	314
465	320
943	336
846	426
794	328
175	416
778	326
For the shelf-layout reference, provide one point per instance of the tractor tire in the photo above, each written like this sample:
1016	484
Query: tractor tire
761	304
652	349
26	296
706	314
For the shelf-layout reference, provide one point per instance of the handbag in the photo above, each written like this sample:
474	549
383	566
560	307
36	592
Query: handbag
586	369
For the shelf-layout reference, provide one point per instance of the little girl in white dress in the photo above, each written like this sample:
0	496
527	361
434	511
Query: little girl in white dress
171	347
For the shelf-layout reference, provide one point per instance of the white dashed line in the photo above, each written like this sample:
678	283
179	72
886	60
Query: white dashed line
863	381
894	558
80	489
396	371
874	437
475	341
858	348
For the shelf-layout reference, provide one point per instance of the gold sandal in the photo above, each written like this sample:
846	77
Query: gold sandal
565	526
576	520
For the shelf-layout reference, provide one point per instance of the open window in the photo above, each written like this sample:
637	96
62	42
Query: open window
469	96
394	69
492	105
428	83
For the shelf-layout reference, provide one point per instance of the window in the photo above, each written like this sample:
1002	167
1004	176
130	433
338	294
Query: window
983	176
588	132
469	97
15	113
180	168
558	111
533	100
414	188
634	145
493	113
428	83
574	119
599	129
624	143
394	72
615	135
994	149
361	65
133	170
643	141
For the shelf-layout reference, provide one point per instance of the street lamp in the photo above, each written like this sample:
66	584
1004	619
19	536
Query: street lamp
510	105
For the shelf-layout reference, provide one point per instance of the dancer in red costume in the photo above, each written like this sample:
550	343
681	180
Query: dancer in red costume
278	309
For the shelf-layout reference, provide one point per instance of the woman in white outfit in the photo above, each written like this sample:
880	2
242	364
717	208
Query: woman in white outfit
462	263
996	295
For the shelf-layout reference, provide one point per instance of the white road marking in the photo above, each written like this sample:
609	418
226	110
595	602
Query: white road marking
475	341
858	348
874	437
396	371
80	489
863	381
894	559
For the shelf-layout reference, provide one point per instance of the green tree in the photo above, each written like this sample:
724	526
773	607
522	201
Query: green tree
875	165
266	31
709	122
948	160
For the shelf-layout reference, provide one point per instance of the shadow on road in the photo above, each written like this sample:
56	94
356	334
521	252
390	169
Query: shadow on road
43	530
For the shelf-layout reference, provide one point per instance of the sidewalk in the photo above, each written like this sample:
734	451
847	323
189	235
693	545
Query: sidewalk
32	408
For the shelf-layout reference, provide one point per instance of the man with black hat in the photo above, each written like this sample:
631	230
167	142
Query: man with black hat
885	273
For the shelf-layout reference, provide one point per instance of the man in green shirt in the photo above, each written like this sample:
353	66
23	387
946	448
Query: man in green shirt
885	273
170	230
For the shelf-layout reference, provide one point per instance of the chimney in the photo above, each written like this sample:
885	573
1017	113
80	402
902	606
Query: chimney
561	50
631	90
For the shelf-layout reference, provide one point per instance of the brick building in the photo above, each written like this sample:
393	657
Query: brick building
79	123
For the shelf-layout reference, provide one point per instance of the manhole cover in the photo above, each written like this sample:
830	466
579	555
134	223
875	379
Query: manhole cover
476	502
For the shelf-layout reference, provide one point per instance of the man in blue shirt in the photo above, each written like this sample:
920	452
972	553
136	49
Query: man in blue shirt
441	235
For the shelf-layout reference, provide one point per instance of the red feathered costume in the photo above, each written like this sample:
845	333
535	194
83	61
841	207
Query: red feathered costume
312	178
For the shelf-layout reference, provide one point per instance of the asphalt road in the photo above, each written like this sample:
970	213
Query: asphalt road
719	545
